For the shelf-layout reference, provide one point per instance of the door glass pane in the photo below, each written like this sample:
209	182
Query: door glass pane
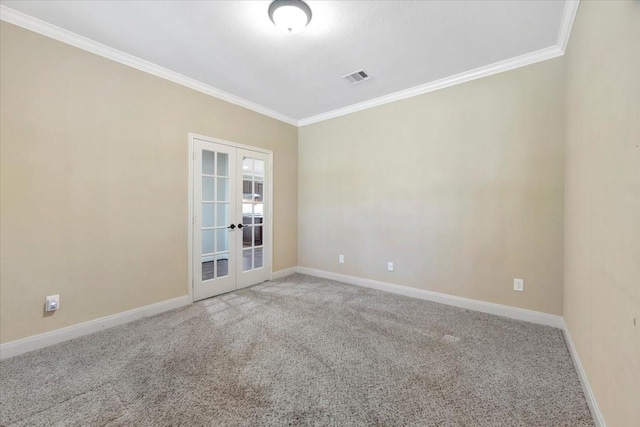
257	258
222	217
258	191
207	163
247	237
222	239
258	210
223	265
247	213
207	269
223	189
247	191
257	236
247	165
207	241
208	189
258	169
253	171
247	259
223	164
207	214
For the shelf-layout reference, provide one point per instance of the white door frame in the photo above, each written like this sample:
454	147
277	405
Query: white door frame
190	217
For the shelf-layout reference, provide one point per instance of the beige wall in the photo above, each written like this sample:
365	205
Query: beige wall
602	219
461	188
94	178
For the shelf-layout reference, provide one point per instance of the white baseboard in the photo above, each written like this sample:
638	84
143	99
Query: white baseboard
46	339
283	273
470	304
35	342
484	307
598	419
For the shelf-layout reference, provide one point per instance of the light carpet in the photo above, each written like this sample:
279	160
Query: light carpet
301	351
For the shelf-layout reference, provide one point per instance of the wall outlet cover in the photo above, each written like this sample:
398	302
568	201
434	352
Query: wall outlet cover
518	285
52	303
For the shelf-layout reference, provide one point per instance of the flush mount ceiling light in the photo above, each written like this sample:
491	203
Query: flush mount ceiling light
290	16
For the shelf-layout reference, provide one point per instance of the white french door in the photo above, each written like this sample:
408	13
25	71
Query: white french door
231	225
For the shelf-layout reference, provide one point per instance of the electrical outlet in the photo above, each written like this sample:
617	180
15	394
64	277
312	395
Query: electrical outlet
390	266
518	285
341	259
52	303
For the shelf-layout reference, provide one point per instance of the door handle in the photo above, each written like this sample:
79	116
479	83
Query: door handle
240	225
232	226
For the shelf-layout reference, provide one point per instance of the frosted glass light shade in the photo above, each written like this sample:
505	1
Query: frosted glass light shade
290	16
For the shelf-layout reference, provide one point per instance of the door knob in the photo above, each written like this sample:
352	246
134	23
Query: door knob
232	226
240	225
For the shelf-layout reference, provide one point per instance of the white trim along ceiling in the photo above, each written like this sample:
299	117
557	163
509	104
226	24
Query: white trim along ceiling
39	26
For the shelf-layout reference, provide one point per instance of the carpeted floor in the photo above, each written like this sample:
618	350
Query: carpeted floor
301	351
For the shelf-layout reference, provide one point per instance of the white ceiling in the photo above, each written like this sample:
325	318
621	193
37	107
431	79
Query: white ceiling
232	46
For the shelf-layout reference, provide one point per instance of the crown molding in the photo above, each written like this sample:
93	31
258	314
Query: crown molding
566	24
41	27
477	73
57	33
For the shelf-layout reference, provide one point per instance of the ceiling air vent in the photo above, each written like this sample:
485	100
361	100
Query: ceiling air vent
357	77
